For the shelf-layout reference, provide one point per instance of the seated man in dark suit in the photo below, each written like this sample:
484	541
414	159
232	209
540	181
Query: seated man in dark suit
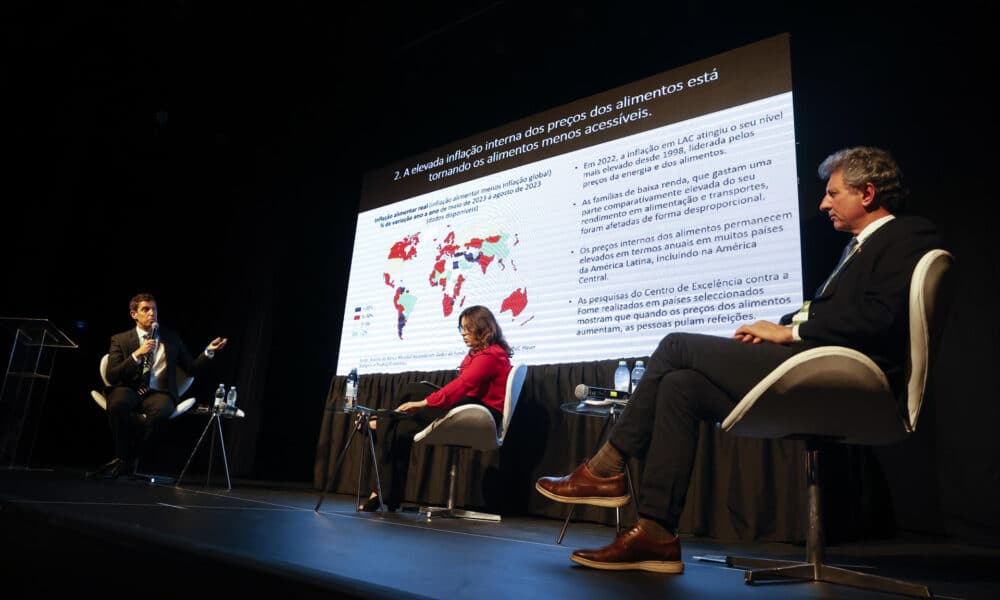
690	378
142	370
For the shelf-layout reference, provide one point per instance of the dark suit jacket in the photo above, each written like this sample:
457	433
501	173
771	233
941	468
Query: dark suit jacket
123	370
866	306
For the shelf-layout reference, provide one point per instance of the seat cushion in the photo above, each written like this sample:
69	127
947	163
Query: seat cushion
99	399
469	426
182	407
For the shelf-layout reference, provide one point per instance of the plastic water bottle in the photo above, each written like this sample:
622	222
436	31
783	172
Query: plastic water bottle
621	377
231	400
351	391
220	396
637	372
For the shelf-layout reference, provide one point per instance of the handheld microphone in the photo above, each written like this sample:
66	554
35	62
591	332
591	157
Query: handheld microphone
156	330
584	391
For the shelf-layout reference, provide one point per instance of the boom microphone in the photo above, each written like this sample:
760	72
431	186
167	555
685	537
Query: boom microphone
584	391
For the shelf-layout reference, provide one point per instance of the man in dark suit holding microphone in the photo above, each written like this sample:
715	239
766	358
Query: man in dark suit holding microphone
142	371
691	378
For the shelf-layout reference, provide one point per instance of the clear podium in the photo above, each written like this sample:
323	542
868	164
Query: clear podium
26	384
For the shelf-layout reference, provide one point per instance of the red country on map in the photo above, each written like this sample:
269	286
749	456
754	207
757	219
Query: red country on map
516	302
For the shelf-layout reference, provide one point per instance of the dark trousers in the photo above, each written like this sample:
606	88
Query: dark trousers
394	438
135	436
690	378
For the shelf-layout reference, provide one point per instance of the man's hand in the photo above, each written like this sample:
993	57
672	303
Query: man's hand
145	348
764	331
217	344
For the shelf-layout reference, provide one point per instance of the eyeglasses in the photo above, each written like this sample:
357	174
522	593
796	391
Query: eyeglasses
464	329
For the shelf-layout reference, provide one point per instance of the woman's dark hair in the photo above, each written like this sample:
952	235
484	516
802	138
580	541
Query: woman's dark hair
483	326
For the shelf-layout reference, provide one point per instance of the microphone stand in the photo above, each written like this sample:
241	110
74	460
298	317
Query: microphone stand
362	415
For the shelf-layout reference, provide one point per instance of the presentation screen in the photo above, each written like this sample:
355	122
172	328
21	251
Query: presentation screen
590	230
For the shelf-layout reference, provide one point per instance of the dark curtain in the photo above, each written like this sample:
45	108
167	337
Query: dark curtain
741	489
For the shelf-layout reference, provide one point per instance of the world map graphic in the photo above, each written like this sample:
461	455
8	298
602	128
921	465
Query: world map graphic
449	268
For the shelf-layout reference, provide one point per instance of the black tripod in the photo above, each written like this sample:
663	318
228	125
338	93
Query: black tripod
362	415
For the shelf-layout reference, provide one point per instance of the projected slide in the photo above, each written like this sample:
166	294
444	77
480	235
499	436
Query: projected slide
591	230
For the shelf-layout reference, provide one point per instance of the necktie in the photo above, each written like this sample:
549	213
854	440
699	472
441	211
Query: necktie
848	251
803	314
147	368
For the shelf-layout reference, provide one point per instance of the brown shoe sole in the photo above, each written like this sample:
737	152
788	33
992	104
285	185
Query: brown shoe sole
605	501
654	566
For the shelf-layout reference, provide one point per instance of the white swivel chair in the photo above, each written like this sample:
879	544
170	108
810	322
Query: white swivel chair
470	426
836	394
184	382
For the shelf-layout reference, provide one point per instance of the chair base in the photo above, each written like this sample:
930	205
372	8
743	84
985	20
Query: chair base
759	570
762	570
456	513
450	510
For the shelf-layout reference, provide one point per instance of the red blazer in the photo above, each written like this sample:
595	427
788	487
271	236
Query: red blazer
482	375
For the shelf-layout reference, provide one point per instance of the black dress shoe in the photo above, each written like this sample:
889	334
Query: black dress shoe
104	470
373	505
121	468
108	465
117	470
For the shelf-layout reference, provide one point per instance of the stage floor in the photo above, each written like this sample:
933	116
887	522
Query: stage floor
61	533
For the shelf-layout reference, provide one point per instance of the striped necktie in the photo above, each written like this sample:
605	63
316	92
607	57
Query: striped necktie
147	369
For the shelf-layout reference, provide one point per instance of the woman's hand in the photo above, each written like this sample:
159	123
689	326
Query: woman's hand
409	407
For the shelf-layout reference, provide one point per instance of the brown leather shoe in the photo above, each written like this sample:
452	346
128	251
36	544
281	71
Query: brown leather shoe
634	549
583	487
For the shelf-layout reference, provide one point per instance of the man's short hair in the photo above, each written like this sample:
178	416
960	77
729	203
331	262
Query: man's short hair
133	304
865	164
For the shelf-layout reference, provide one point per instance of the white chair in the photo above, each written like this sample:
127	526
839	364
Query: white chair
184	382
836	394
470	426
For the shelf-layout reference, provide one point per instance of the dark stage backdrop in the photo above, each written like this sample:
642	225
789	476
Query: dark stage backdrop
231	147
